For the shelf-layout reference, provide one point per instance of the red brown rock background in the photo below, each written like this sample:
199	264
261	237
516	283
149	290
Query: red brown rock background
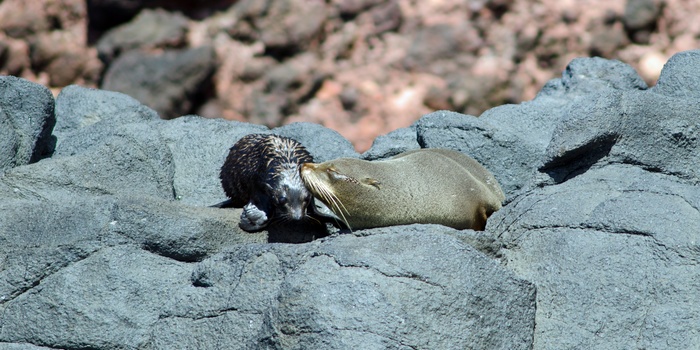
361	67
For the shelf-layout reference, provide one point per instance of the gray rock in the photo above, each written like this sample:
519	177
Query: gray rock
586	75
323	143
133	161
613	254
612	242
317	295
107	244
23	346
26	122
172	82
177	231
559	98
99	305
262	296
40	238
655	131
150	29
678	78
393	143
85	117
323	303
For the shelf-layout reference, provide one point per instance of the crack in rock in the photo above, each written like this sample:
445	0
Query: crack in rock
37	282
409	275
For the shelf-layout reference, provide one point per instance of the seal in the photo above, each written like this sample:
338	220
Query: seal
428	186
261	175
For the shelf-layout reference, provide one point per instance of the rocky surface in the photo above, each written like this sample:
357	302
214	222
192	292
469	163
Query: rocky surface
107	242
361	67
26	121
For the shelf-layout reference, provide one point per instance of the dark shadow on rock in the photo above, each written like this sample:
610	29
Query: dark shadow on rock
222	205
577	161
290	232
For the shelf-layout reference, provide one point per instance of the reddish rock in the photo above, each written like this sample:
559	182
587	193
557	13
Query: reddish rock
362	67
14	59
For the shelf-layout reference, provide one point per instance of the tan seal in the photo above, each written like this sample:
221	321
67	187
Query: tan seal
428	186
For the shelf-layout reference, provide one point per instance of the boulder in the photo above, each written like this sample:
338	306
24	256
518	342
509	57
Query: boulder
610	237
612	253
85	117
173	82
394	288
110	243
26	121
151	29
284	26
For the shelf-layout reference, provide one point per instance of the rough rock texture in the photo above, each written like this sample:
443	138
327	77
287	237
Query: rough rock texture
361	67
92	114
26	121
614	253
109	242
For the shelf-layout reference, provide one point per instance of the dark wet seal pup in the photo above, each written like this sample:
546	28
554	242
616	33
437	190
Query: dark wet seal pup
261	175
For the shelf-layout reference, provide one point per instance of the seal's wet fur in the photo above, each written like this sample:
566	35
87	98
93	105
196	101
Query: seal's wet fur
261	175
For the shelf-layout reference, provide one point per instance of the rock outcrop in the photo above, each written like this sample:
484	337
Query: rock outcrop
107	240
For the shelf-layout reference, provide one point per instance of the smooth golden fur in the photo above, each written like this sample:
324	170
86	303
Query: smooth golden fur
434	186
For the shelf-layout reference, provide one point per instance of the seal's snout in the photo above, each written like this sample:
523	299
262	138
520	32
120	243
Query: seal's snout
306	167
297	214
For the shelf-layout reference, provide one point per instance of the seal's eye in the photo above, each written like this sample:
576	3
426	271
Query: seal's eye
332	173
282	200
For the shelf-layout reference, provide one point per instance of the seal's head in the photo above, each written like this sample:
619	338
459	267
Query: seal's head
261	175
328	181
288	196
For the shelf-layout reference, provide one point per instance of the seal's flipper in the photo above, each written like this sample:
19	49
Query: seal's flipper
253	219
